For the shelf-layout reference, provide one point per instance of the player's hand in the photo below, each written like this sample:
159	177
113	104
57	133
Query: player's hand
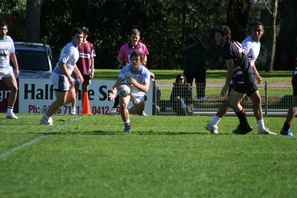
92	74
81	78
132	81
224	90
71	80
259	79
112	95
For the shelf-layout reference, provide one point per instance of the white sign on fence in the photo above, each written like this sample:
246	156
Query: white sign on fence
34	94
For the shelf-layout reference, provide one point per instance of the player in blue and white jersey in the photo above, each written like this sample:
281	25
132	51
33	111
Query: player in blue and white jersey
7	73
251	46
137	77
61	76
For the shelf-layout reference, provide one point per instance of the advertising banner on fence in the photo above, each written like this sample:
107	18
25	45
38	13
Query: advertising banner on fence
35	94
4	94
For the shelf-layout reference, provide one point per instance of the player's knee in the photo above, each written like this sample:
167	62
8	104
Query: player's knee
257	100
123	105
14	89
232	103
294	109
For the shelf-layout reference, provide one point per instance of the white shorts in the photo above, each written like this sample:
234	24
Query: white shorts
6	72
137	97
60	82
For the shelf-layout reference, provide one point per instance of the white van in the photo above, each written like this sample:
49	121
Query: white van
35	62
34	59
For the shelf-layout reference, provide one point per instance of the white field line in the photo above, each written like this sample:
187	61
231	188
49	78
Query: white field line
35	140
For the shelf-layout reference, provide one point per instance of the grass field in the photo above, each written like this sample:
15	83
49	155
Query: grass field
211	75
163	156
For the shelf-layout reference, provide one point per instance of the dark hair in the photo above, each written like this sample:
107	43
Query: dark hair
137	53
2	24
181	76
224	30
86	30
135	31
256	24
77	30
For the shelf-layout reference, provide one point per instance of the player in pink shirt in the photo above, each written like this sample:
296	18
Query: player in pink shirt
133	45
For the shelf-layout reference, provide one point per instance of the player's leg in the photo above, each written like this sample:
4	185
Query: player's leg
71	99
258	113
235	102
189	76
200	79
124	102
286	130
137	108
61	97
11	82
292	110
61	86
212	126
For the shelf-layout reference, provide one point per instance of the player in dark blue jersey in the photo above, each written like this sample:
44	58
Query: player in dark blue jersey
232	55
286	130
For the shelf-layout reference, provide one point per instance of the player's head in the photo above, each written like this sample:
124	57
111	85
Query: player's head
136	58
77	35
257	30
86	32
134	37
4	29
222	35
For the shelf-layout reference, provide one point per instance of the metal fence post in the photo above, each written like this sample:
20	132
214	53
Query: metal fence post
266	98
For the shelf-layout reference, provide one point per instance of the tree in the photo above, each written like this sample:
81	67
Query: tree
271	57
163	25
33	11
286	48
237	18
12	13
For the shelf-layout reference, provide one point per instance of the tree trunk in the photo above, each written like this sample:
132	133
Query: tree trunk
33	11
286	48
237	18
273	41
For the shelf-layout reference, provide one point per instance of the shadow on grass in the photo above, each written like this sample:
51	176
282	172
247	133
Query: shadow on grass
131	133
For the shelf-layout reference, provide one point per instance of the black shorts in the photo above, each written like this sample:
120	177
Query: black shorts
247	87
244	81
294	84
86	79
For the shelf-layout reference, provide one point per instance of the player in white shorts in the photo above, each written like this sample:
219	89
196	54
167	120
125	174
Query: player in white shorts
61	76
7	73
137	77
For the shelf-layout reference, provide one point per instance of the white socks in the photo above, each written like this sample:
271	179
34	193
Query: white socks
261	124
215	120
9	109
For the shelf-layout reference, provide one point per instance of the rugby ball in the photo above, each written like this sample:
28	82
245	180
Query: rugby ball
124	90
